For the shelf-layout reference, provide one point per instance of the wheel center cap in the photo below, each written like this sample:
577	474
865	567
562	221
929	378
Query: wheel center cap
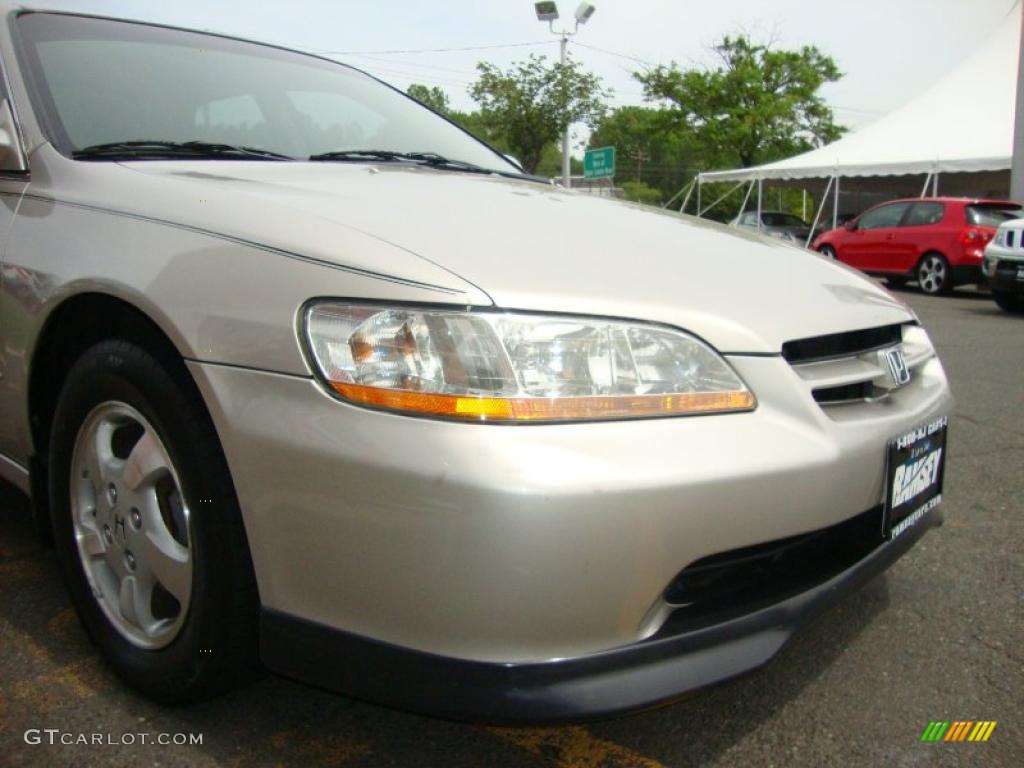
118	521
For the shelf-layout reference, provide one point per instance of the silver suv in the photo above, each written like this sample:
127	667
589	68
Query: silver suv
299	373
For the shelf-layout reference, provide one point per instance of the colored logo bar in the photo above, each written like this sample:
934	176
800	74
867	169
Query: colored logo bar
959	730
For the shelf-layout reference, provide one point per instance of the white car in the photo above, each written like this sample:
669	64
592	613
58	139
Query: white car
1003	267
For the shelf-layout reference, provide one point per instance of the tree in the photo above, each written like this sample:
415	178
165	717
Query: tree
430	96
638	192
757	105
531	104
650	145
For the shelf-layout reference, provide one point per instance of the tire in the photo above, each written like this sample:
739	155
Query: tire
828	252
934	276
1010	302
147	528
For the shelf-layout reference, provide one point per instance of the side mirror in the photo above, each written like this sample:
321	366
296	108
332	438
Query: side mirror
850	225
12	160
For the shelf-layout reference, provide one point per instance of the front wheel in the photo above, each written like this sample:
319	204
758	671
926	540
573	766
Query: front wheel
933	275
828	252
147	528
1009	302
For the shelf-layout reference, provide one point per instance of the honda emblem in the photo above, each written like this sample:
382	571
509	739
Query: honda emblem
898	369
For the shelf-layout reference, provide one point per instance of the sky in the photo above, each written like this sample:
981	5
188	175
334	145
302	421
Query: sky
889	50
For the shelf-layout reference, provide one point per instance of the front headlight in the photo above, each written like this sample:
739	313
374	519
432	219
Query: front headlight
494	366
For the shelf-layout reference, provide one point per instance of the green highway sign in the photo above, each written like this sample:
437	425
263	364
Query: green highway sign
599	163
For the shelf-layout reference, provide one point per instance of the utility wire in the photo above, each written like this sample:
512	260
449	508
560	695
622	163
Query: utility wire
612	53
435	50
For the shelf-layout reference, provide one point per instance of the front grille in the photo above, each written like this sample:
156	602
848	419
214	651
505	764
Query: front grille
730	584
845	344
847	393
844	369
1008	268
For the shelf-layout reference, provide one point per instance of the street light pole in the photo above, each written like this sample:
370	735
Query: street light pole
548	11
566	164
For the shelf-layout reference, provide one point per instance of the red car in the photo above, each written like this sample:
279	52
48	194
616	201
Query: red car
938	241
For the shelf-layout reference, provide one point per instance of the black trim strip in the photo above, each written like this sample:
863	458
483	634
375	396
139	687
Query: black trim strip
648	673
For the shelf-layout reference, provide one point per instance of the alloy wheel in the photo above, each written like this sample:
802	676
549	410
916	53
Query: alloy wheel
131	525
932	274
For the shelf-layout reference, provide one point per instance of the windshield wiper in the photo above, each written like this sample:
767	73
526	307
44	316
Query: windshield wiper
175	149
432	159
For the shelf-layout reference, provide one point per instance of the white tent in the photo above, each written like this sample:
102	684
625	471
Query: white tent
964	123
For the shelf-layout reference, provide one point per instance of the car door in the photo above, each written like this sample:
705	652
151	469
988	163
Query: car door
13	181
870	244
910	240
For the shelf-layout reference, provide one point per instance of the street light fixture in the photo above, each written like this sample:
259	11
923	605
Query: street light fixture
548	11
584	12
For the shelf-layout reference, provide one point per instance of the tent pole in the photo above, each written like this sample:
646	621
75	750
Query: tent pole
720	199
803	205
746	199
689	192
835	206
927	181
760	190
821	208
698	196
677	194
935	184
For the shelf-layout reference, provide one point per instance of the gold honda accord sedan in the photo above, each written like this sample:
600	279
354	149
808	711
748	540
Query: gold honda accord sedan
300	375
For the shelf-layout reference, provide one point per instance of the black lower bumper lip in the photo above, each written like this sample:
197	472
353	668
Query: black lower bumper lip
1006	282
612	682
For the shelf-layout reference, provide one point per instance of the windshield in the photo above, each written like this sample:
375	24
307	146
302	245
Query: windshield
100	82
989	215
782	220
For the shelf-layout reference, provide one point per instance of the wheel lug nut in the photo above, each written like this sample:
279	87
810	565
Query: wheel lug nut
129	560
108	535
112	494
136	517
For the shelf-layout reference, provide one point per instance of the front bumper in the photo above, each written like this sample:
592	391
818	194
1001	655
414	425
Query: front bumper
506	547
642	675
1000	268
1004	277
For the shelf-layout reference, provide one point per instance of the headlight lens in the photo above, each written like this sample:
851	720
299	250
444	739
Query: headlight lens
489	366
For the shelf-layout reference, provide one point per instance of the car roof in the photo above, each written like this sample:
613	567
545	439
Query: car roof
964	200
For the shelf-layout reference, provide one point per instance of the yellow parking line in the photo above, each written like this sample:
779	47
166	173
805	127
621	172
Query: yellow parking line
328	751
62	687
573	747
64	625
50	687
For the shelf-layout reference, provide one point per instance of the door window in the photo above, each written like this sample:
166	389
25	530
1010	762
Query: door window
883	216
925	214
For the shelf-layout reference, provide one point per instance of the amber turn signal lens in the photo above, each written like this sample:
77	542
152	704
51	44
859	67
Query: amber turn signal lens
546	409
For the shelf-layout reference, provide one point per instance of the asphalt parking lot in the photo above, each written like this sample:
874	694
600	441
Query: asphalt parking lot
938	637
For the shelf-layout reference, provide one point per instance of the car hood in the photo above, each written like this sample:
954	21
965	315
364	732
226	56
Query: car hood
519	244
